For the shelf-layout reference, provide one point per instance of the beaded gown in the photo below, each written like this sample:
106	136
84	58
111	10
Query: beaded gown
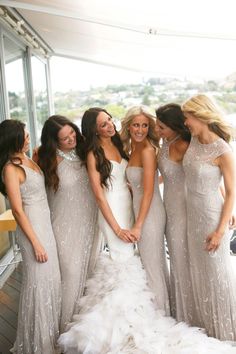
73	215
213	278
117	314
40	297
174	197
151	245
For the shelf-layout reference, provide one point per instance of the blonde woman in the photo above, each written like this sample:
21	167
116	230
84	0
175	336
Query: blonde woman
208	159
141	144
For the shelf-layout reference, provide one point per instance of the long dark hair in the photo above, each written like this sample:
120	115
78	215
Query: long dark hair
172	116
92	143
12	138
47	156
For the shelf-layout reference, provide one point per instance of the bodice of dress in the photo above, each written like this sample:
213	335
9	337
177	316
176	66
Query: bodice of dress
33	188
135	178
171	171
119	199
73	181
202	175
118	181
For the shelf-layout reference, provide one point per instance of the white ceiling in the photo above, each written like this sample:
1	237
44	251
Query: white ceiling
187	35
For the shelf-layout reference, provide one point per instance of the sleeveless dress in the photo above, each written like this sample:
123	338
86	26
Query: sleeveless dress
213	278
151	245
174	197
117	314
40	297
73	215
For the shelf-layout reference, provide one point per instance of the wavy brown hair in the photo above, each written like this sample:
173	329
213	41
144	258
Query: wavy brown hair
12	138
92	143
172	116
47	152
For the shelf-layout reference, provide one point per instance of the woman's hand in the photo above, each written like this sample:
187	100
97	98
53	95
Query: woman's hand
125	235
136	233
40	253
213	241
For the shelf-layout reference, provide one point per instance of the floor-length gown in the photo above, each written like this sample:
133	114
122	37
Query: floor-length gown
40	297
151	245
117	314
174	197
73	214
213	279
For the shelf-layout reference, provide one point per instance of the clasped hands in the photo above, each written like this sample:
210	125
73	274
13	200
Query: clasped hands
130	236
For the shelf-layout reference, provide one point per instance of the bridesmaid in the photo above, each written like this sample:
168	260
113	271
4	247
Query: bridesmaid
23	183
141	144
72	205
176	138
208	159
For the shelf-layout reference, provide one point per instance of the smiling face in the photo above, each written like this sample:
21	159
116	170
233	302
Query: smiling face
194	124
139	128
164	131
66	138
105	126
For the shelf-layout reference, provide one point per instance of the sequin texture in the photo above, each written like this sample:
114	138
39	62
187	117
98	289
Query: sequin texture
73	214
213	278
174	196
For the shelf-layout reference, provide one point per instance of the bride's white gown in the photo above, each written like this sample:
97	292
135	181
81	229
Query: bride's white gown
117	312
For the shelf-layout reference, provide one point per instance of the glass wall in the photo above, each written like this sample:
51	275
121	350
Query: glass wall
15	82
23	96
40	92
16	109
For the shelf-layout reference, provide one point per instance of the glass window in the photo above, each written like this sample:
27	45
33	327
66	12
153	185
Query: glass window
40	92
15	83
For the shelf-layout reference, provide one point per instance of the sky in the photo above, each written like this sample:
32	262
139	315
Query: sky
69	74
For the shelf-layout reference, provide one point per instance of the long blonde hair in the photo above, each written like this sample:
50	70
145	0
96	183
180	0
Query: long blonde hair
126	121
206	110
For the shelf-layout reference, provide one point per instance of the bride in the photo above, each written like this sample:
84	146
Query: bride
117	313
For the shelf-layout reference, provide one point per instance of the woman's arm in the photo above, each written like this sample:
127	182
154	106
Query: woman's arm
149	165
227	167
94	177
13	176
232	221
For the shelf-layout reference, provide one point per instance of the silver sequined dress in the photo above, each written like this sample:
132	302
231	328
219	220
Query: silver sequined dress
73	214
151	245
213	279
174	196
40	298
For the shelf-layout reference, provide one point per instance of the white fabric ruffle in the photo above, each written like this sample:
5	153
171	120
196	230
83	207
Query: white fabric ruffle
118	316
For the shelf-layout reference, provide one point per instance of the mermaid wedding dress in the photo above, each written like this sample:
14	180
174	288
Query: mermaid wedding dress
117	313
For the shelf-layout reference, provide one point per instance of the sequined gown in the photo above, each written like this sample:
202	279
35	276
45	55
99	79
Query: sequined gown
40	298
117	313
174	196
73	214
151	245
213	279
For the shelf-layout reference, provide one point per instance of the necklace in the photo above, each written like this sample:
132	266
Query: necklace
70	155
173	139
